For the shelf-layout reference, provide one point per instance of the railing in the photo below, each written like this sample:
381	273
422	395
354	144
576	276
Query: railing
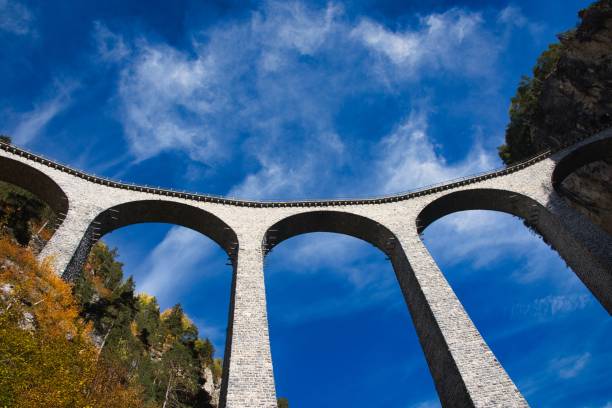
430	189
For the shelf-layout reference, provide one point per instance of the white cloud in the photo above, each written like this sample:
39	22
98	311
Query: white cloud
165	100
512	17
200	102
289	173
461	236
292	25
29	125
571	366
365	281
110	46
408	158
553	305
346	256
250	79
563	304
15	17
170	266
455	41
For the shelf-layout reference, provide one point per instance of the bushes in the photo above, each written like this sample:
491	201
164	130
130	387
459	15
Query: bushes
524	107
47	356
94	344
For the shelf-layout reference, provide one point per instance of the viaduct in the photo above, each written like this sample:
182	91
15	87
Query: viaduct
465	371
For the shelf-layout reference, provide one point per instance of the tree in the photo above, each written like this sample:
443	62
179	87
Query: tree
47	356
112	348
524	108
205	350
180	376
283	402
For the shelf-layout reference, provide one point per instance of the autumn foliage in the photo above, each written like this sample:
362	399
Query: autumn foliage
94	342
48	359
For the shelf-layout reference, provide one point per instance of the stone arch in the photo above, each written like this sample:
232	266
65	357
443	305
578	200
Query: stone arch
339	222
480	199
36	182
148	211
554	230
356	226
436	314
581	156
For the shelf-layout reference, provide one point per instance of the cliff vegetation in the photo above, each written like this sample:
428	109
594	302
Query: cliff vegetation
569	95
95	343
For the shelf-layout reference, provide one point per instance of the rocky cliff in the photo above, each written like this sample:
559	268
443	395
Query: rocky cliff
570	95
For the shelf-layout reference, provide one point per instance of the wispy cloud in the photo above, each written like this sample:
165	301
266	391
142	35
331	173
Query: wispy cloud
552	306
571	366
30	125
460	237
269	88
365	280
110	47
512	17
438	44
15	17
170	266
165	103
408	158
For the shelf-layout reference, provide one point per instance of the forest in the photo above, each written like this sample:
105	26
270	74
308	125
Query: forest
93	343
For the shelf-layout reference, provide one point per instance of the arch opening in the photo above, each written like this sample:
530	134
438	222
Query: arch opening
553	231
330	221
480	199
177	254
337	312
34	181
153	211
599	150
167	212
584	179
530	308
34	206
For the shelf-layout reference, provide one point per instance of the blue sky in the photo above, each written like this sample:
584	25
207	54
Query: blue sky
288	99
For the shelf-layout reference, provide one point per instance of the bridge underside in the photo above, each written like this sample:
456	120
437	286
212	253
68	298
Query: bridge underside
465	371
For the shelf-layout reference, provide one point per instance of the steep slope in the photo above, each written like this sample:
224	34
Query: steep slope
97	332
570	95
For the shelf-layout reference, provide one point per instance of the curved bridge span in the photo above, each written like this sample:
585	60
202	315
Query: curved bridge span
465	371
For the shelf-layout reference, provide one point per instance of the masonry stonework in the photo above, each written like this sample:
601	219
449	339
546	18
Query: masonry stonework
465	371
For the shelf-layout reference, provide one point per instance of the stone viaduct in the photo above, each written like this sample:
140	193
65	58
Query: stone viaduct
465	371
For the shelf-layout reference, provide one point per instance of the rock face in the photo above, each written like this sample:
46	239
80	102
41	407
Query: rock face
211	387
576	99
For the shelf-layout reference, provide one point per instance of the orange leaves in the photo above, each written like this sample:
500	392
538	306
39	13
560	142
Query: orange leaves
41	291
52	362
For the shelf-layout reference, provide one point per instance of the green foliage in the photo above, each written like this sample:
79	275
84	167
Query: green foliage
217	369
21	211
206	350
48	359
282	402
524	108
140	354
161	351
